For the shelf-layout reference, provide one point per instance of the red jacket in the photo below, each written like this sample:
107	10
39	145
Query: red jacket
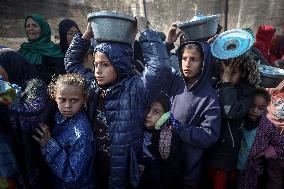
263	39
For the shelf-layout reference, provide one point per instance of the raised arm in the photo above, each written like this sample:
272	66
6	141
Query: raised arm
75	55
156	59
234	103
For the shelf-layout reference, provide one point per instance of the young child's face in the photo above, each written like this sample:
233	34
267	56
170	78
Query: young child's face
104	70
259	105
235	75
153	114
69	99
191	63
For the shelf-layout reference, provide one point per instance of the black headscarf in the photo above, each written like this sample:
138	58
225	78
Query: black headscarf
19	70
64	26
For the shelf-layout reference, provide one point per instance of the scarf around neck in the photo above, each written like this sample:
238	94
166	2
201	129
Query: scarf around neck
43	46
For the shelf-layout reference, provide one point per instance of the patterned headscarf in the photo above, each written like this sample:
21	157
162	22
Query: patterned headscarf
276	106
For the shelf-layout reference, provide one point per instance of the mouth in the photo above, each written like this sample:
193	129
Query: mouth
29	33
253	117
147	121
67	113
187	71
99	78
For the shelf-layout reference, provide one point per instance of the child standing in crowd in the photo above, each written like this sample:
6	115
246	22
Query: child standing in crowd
161	147
69	148
117	101
195	106
269	142
250	128
237	79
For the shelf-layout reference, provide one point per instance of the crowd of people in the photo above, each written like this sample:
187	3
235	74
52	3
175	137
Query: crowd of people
147	116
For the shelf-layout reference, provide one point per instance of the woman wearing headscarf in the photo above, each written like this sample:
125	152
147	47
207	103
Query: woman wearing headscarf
40	50
25	113
67	29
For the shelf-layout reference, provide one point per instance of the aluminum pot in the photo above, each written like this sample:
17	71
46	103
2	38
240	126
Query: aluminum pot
113	27
270	82
199	27
271	76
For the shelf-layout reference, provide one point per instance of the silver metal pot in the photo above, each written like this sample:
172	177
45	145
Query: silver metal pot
271	76
113	27
270	82
200	27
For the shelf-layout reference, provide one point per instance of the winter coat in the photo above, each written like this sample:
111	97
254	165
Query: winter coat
25	115
161	172
70	152
235	103
197	108
267	135
8	165
125	101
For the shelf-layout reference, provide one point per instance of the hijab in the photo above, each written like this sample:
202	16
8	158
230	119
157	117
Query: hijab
43	46
64	26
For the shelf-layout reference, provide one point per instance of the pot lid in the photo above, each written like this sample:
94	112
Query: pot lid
232	43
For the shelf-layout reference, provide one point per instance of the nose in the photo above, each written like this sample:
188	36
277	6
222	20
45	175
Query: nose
68	104
98	69
149	114
187	63
29	28
255	110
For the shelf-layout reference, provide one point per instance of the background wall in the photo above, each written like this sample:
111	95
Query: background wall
161	13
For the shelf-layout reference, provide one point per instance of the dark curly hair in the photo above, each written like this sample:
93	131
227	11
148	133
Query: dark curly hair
67	79
263	93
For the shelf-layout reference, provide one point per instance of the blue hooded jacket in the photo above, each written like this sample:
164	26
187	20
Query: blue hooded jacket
125	101
198	110
70	152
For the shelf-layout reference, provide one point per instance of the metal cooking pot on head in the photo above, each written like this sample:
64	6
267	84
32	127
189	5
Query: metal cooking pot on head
199	27
113	27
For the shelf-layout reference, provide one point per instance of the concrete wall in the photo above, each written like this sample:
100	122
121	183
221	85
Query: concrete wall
161	13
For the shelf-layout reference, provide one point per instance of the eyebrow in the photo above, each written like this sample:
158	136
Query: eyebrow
157	110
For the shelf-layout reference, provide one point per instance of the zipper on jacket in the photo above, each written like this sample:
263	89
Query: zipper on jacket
229	127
